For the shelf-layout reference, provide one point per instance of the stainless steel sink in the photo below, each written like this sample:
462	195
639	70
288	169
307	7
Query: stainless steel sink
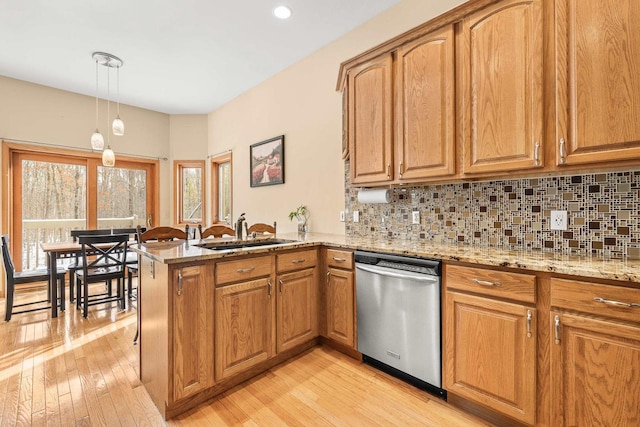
221	246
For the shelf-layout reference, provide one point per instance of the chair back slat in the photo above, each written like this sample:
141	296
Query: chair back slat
9	268
215	231
162	234
104	250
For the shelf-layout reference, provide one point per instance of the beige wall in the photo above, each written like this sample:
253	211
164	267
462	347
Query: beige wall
42	114
301	103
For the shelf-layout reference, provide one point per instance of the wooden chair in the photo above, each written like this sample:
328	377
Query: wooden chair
160	234
104	258
21	277
216	231
260	228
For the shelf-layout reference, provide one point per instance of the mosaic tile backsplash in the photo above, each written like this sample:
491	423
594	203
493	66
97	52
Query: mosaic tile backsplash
603	214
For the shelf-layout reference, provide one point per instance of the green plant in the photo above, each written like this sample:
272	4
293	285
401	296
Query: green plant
301	214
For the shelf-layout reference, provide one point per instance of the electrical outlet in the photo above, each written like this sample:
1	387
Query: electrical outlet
356	216
558	220
342	216
415	217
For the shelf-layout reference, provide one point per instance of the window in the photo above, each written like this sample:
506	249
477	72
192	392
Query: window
189	188
51	193
221	188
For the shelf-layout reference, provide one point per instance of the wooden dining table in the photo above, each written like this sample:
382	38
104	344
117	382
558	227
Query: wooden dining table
56	251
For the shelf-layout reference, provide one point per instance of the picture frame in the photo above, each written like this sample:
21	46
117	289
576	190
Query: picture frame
267	162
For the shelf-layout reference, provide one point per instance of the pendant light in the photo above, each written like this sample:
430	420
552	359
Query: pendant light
97	141
108	156
118	124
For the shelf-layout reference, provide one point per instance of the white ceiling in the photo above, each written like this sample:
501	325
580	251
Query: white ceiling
180	57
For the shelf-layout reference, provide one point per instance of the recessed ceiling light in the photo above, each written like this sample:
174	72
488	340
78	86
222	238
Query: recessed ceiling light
282	12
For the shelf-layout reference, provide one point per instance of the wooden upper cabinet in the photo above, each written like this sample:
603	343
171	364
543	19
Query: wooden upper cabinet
370	121
425	80
501	69
598	87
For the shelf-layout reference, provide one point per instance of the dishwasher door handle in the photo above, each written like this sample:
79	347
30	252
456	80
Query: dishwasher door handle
403	275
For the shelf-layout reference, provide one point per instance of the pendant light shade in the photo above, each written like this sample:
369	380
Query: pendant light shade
108	157
118	126
97	140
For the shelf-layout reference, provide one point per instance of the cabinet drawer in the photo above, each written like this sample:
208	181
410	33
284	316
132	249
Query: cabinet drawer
340	259
502	284
297	260
244	269
604	300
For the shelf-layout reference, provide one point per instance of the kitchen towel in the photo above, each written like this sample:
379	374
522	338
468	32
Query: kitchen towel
374	196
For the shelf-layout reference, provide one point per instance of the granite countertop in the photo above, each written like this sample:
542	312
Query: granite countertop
181	251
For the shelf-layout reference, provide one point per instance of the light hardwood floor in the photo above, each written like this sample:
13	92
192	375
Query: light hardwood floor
74	371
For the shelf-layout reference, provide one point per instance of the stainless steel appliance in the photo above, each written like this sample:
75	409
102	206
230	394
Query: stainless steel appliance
398	311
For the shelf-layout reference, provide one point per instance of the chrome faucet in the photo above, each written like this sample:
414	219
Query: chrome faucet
239	222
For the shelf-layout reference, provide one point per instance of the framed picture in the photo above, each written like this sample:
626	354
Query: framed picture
267	162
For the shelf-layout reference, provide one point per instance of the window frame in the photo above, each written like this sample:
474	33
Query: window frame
14	152
178	167
216	161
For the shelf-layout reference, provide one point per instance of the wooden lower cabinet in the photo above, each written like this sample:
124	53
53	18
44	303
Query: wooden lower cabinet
192	331
244	326
340	293
490	354
297	308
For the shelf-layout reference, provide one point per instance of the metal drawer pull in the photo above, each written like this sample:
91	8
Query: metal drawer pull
339	259
328	277
179	282
245	270
388	170
270	285
557	328
401	169
281	284
529	317
298	261
486	282
536	154
616	303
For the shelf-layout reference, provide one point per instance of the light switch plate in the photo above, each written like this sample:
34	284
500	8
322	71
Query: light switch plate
558	220
415	217
356	216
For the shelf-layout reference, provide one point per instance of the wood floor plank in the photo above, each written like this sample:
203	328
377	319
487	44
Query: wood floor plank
84	372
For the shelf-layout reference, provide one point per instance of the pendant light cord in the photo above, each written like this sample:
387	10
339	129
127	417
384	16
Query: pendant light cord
108	97
118	68
96	95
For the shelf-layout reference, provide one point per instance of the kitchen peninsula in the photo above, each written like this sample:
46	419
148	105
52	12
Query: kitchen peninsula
211	319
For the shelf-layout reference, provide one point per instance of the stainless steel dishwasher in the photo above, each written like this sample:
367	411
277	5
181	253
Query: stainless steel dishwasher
398	312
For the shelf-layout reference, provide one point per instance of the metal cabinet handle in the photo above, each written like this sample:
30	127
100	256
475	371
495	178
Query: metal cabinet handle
486	283
562	153
557	329
281	284
179	282
388	170
536	153
328	277
529	318
270	285
401	169
616	303
339	259
245	270
298	261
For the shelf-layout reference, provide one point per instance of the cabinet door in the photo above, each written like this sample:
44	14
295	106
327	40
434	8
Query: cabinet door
594	372
502	87
370	121
297	308
490	354
244	323
425	139
340	299
598	69
192	361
